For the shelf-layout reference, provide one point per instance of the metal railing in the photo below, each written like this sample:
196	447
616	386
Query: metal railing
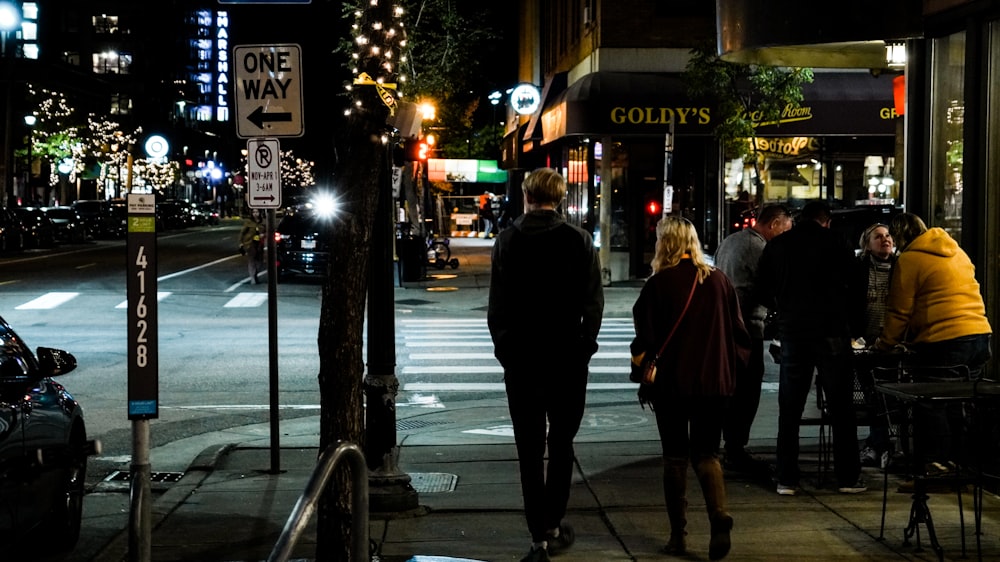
306	504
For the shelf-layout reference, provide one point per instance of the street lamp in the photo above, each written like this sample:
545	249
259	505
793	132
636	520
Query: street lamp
10	19
495	97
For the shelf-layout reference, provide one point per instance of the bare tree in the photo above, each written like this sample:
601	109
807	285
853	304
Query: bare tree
358	175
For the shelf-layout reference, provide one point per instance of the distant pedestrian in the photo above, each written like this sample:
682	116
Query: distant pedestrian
486	217
806	275
545	308
737	257
697	372
935	309
250	244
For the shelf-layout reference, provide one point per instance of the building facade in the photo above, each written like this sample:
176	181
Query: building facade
952	105
617	119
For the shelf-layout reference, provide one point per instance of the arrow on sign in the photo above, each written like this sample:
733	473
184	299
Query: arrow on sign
262	198
258	117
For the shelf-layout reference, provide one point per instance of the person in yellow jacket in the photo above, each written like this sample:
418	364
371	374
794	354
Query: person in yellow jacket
250	244
935	310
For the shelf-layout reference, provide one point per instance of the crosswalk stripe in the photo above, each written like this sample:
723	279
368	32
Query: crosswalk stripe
498	386
246	300
47	301
479	356
487	343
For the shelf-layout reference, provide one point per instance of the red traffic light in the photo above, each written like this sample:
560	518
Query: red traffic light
653	207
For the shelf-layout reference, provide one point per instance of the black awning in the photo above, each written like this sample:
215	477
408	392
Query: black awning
630	103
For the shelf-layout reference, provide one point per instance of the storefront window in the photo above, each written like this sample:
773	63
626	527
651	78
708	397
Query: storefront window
578	186
947	124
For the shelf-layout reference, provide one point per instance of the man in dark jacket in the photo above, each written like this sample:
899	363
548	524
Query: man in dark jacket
545	310
806	274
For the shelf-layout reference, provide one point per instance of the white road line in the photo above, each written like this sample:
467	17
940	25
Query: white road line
477	356
246	300
47	301
499	386
497	370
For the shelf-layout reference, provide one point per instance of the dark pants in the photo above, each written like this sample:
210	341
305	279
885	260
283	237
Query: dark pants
744	403
938	429
554	398
831	359
690	426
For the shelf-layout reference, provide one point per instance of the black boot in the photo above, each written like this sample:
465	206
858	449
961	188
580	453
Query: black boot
675	497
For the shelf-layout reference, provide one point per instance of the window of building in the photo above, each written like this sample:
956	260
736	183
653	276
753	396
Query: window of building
111	62
121	105
105	24
947	125
577	185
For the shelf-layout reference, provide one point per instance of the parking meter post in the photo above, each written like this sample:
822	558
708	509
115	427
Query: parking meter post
140	540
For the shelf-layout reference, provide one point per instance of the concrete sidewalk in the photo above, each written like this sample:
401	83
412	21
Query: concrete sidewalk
229	507
462	462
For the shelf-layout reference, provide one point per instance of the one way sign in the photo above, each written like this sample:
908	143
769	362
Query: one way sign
268	91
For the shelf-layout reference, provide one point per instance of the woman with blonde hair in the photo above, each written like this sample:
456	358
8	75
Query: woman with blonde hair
696	372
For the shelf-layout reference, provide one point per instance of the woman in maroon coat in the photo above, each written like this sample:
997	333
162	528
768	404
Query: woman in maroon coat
696	373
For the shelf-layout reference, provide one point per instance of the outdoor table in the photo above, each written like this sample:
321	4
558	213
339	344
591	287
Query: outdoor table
983	392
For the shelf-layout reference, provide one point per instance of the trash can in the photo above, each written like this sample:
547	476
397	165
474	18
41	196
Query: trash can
410	251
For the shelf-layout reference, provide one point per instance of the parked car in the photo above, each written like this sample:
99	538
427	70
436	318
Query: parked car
301	242
69	224
174	214
210	215
100	219
39	230
43	448
11	232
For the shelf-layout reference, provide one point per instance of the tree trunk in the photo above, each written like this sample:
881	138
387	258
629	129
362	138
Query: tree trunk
342	318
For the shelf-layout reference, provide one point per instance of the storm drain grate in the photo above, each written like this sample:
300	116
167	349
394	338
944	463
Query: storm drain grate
414	302
125	476
409	424
433	482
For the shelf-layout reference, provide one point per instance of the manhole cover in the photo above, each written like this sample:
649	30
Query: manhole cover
125	476
433	482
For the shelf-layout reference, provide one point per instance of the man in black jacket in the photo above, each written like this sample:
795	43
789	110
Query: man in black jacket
806	274
545	310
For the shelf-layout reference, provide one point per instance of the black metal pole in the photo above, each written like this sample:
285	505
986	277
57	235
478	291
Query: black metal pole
389	489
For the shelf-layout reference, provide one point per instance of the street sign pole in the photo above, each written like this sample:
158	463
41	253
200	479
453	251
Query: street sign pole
264	192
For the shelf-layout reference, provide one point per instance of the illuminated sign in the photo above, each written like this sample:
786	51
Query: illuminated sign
525	99
464	170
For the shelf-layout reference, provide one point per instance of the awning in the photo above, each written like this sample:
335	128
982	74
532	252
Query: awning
629	103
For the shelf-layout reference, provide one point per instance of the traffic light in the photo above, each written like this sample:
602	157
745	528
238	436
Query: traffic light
653	208
416	150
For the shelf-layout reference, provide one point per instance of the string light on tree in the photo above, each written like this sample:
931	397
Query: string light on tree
376	47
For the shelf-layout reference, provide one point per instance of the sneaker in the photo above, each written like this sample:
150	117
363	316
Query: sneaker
785	490
869	457
561	541
855	488
537	555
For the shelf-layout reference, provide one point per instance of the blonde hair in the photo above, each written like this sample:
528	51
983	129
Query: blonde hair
866	237
676	238
545	186
904	228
